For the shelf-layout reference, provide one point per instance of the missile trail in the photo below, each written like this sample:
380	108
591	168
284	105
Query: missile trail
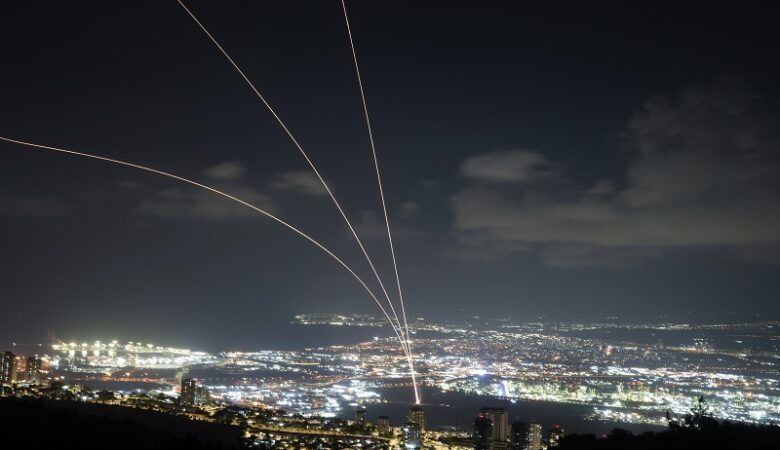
405	327
228	196
300	149
373	152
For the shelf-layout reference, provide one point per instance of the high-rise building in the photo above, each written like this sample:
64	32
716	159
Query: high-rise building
187	395
534	436
360	418
201	395
191	393
518	438
500	420
7	368
32	370
483	433
417	415
554	436
526	436
383	426
412	436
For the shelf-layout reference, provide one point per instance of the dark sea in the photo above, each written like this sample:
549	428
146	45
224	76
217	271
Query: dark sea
447	409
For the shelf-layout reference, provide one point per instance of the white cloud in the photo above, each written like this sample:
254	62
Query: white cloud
705	173
370	226
228	170
301	181
505	166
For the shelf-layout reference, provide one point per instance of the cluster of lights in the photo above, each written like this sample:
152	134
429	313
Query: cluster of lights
627	382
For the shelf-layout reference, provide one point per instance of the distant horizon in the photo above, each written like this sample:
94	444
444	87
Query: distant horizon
368	333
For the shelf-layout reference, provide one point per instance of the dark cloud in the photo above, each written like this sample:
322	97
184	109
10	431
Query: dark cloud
371	225
190	203
409	209
17	205
200	204
130	184
704	172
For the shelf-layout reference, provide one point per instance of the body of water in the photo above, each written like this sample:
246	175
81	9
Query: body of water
444	409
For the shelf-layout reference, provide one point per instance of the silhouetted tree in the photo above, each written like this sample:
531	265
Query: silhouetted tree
106	396
697	430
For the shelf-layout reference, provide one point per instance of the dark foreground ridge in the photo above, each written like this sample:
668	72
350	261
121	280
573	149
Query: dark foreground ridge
34	423
707	434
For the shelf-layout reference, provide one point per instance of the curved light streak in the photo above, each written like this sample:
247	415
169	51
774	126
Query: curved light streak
228	196
303	153
405	327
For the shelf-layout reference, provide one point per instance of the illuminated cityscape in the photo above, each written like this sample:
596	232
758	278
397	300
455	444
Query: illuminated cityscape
327	391
389	225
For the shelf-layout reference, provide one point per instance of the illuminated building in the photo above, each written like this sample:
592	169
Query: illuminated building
7	368
412	436
360	418
32	371
534	436
417	415
526	436
500	420
483	433
519	436
188	388
555	435
383	425
191	393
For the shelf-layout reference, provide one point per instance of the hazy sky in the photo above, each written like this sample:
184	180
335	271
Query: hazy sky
538	160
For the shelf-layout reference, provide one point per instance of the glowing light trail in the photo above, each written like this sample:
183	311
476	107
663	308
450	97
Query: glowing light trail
231	197
405	327
305	156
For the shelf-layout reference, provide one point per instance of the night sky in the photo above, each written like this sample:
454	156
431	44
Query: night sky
539	160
